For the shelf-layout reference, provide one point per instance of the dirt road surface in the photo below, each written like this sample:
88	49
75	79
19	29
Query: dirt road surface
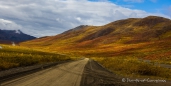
85	72
67	74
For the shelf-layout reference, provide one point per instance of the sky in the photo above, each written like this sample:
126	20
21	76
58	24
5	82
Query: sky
51	17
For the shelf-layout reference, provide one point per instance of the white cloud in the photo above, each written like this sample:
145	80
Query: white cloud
78	18
8	25
51	17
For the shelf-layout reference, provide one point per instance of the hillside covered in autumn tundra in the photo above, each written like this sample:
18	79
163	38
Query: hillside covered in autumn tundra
134	47
122	37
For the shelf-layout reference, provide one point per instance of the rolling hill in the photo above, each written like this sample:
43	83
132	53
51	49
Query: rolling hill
148	38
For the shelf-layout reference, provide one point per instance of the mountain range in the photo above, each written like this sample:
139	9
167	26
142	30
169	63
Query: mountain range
122	37
9	36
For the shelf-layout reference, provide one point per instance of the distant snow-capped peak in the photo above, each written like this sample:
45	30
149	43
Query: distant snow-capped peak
18	31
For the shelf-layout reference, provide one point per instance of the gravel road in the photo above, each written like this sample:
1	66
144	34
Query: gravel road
85	72
67	74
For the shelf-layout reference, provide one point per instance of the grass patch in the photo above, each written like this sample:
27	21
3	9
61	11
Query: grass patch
15	56
133	67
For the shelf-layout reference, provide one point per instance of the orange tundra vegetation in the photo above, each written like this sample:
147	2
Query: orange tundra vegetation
146	38
129	36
